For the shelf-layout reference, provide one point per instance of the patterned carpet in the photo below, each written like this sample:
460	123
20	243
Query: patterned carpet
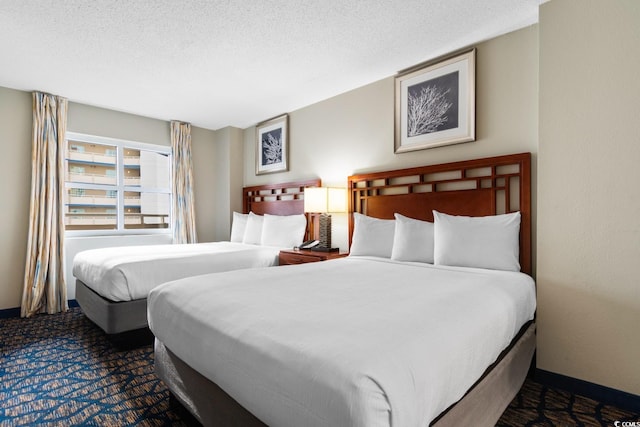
537	405
62	370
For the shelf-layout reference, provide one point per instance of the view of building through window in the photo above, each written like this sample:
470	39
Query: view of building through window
116	187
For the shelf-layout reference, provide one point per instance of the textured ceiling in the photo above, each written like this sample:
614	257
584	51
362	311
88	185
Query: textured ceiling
224	63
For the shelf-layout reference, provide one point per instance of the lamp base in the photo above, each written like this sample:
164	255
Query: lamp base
324	223
319	249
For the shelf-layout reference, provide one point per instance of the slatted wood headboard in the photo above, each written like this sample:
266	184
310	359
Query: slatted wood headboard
480	187
277	199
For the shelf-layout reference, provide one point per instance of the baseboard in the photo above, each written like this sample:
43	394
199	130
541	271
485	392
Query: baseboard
15	312
9	312
606	395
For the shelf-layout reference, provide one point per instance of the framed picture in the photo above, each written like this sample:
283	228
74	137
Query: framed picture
435	103
272	145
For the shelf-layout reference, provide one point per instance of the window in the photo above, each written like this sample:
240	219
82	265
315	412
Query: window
116	186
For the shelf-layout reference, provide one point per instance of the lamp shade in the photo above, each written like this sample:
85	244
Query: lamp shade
325	200
337	200
315	199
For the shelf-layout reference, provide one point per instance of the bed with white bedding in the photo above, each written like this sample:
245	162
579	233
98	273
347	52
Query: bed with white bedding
130	272
429	321
112	284
351	342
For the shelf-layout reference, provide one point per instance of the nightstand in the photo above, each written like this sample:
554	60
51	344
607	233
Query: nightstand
302	256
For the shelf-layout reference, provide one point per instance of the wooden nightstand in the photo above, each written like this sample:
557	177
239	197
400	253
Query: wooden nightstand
302	256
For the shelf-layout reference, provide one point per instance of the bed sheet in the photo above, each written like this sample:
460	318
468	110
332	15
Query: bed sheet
129	273
355	341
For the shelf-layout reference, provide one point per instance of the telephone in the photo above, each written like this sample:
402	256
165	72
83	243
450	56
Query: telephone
309	244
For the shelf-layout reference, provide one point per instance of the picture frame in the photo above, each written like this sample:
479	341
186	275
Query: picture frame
272	145
435	103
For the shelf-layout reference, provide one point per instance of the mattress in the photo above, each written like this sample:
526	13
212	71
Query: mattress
129	273
355	341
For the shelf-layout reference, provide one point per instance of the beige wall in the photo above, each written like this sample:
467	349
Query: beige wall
218	182
588	199
353	132
114	124
203	155
15	188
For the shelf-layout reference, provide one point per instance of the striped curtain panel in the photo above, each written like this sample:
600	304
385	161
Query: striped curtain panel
44	286
184	218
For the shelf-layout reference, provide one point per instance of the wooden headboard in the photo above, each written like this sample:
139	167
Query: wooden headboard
480	187
276	199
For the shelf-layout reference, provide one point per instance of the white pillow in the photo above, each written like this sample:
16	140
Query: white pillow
253	230
283	231
484	242
413	240
238	225
372	236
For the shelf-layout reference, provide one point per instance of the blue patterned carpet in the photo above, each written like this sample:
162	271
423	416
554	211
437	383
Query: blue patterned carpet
62	370
538	405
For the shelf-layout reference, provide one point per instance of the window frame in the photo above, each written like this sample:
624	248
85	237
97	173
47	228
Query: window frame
120	187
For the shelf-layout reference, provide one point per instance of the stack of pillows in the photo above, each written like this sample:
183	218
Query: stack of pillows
490	242
283	231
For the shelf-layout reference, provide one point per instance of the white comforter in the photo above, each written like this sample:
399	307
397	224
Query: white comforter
129	273
349	342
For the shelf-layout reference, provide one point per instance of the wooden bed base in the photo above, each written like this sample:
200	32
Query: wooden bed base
117	317
480	187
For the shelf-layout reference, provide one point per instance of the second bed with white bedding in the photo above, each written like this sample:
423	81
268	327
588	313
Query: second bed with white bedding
283	343
129	273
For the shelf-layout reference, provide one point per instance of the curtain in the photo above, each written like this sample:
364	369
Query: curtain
44	287
184	219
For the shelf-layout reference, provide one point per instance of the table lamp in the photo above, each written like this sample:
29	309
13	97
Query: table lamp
324	201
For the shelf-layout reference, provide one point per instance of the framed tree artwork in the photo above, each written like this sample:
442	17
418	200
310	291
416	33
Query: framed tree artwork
435	103
272	145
